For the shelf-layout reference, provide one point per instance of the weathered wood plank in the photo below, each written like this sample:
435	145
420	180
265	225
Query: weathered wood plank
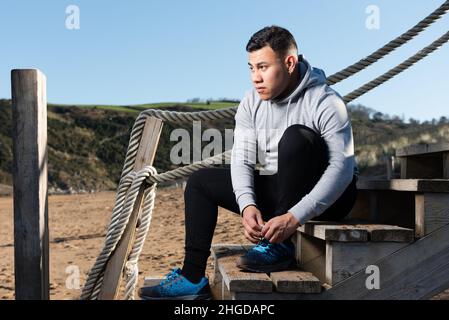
219	250
334	232
422	148
356	232
31	249
427	166
343	259
387	233
237	280
410	185
431	212
417	271
116	263
371	231
295	281
311	255
151	281
446	166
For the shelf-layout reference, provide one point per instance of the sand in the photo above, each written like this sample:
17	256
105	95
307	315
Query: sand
78	224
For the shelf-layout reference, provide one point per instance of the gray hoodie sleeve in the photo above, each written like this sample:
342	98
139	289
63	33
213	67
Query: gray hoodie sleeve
332	121
243	156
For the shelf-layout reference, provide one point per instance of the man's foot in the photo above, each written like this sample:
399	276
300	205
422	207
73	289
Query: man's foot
176	287
268	257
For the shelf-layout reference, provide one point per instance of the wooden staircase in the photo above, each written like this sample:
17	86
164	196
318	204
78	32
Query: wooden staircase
399	227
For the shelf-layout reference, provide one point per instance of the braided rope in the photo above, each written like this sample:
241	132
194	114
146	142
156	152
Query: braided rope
390	46
131	267
398	69
131	181
126	197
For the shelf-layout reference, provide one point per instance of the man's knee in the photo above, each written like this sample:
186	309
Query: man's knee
298	137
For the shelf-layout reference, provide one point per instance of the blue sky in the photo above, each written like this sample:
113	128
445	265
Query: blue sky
132	52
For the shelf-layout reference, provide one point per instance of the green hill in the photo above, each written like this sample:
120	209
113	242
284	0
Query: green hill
87	144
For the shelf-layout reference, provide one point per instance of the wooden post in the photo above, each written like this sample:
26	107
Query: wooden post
389	160
145	156
29	115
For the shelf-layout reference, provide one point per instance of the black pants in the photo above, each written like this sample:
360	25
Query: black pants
302	159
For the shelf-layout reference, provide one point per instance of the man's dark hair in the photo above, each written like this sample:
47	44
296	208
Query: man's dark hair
279	39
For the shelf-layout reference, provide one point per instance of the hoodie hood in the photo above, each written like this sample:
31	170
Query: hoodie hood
309	77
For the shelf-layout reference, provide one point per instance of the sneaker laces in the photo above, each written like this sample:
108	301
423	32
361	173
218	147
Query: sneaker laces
170	277
266	247
263	246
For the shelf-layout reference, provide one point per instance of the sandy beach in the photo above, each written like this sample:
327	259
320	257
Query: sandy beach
78	224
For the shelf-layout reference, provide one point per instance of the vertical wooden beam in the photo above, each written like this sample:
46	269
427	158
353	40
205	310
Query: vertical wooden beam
446	165
29	116
145	156
431	213
389	161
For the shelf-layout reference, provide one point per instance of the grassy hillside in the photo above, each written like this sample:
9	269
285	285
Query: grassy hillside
87	144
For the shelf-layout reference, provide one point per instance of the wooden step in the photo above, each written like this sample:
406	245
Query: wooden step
334	257
151	281
295	281
422	149
425	161
406	185
356	232
424	208
231	279
415	272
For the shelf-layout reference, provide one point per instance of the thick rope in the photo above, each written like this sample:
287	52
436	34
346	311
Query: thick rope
131	267
390	46
398	69
130	181
126	197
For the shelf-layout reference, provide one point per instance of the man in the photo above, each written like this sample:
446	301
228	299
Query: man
292	161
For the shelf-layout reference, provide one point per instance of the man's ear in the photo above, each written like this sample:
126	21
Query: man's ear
290	62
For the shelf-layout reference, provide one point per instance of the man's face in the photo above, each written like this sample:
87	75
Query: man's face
269	73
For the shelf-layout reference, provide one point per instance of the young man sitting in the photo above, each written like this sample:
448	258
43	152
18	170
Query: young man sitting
299	130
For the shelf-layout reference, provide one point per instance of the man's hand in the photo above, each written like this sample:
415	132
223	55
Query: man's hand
280	228
252	222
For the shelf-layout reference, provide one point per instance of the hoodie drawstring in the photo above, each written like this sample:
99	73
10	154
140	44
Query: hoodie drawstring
286	118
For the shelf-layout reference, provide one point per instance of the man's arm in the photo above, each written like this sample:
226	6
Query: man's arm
334	125
243	157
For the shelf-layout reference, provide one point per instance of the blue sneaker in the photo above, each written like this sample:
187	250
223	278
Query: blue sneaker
268	257
176	287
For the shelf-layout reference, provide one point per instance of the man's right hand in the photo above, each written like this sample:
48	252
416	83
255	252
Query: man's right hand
253	223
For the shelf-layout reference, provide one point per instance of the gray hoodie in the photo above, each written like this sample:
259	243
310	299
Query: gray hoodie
259	125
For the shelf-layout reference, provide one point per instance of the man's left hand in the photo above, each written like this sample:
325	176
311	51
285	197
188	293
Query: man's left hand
280	228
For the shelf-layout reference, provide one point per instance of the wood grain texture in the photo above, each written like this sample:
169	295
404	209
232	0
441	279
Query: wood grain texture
356	232
432	212
410	185
295	281
345	259
145	156
423	148
31	248
334	232
237	280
